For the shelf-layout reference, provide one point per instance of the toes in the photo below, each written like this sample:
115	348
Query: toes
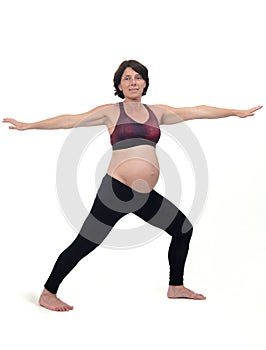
63	308
200	297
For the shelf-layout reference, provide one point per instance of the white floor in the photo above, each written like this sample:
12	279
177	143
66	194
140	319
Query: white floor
120	302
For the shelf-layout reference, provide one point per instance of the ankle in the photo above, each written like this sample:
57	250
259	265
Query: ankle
46	292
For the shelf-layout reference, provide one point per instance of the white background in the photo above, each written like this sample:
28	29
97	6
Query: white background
59	57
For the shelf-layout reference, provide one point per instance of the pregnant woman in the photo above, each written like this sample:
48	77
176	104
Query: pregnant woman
128	186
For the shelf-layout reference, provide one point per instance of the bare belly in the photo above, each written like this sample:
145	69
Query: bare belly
137	167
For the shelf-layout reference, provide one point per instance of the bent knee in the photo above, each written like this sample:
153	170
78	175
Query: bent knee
180	227
187	227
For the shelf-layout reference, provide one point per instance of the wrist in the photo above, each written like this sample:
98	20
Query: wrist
233	112
29	126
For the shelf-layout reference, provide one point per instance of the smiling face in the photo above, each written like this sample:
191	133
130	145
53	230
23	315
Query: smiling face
132	84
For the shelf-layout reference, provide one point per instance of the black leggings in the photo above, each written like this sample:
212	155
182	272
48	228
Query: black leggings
114	200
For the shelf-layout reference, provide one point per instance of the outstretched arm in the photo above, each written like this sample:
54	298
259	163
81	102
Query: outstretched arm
96	116
173	115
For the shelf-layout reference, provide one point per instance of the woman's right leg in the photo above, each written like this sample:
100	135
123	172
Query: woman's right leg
67	260
96	227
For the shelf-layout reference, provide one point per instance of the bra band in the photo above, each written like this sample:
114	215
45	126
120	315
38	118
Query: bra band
132	143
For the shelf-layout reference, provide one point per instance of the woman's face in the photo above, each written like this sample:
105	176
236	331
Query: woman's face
132	84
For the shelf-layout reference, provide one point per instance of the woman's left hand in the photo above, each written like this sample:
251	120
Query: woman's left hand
246	113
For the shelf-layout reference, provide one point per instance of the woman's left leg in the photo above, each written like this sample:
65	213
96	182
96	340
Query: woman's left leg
160	212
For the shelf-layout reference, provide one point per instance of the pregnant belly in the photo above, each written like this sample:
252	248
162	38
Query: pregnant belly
139	173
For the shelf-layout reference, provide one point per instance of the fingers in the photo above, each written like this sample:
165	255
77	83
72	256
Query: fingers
254	109
16	125
251	112
9	120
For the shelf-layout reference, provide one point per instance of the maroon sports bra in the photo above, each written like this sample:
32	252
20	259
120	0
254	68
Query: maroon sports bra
129	133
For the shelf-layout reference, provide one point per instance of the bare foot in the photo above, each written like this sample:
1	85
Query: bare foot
183	292
51	302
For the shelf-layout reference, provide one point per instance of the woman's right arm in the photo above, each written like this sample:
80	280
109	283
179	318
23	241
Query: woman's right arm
96	116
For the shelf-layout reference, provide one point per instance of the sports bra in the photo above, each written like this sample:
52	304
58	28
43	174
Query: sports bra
129	133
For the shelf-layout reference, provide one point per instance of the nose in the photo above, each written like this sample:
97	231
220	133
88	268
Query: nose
133	81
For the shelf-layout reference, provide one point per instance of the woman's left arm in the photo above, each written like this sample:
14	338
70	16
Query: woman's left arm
172	115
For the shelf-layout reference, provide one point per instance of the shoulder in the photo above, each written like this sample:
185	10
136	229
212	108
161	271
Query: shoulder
107	106
161	110
103	112
166	108
108	109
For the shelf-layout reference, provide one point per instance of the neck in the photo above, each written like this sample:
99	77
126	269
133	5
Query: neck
133	105
133	100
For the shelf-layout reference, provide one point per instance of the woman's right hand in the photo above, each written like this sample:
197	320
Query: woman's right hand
16	125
